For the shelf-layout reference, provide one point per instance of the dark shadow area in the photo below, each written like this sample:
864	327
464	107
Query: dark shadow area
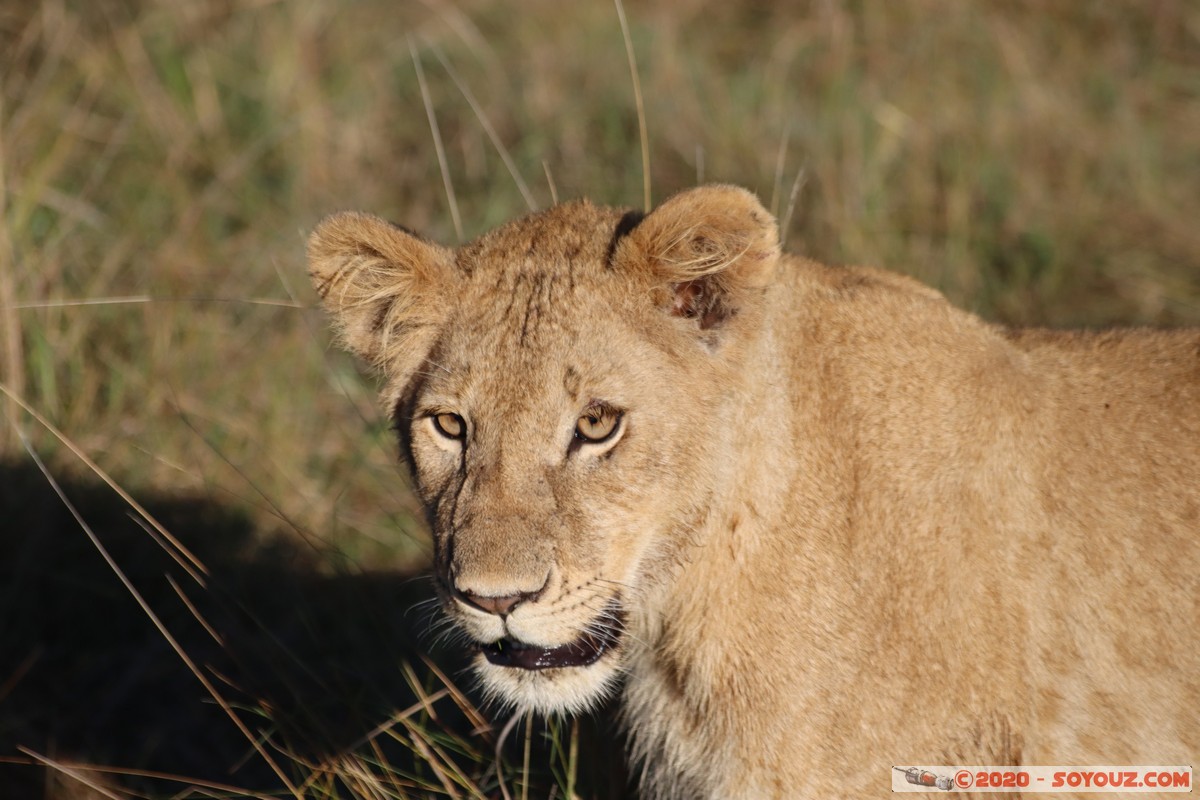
312	659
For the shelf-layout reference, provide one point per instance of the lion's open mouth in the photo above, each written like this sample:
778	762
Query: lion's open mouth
585	650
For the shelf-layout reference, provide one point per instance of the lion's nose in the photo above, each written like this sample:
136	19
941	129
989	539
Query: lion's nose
502	606
496	605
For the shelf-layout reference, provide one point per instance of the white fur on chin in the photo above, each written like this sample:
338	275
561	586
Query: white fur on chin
567	690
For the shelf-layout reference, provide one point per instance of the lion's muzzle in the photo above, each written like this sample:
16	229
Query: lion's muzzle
603	634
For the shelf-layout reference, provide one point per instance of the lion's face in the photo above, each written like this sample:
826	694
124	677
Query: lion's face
559	387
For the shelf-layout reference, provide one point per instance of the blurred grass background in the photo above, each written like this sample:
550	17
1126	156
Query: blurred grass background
161	162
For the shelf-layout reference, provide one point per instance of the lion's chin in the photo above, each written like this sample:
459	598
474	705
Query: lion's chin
564	690
567	678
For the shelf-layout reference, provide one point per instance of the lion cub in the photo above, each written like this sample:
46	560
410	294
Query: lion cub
809	522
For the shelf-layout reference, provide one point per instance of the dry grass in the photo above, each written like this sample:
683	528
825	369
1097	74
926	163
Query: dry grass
161	162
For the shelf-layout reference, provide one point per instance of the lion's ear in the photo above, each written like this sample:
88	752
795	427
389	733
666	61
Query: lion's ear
379	283
716	247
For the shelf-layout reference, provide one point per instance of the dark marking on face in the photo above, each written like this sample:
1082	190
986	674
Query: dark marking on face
572	255
533	308
535	241
571	383
549	293
512	295
453	522
463	263
402	421
404	409
540	297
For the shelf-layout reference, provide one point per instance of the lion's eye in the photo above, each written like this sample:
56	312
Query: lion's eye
597	425
449	425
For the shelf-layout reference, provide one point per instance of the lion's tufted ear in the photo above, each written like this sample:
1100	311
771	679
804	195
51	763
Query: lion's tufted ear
380	284
715	246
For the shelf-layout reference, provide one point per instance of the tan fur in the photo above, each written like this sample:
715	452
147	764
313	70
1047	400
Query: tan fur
850	525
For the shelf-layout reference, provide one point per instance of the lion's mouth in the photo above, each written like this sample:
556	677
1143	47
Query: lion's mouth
585	650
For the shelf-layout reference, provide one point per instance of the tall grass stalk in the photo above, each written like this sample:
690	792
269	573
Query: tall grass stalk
161	163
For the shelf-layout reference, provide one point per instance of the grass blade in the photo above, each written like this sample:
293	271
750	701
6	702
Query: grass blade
641	108
437	141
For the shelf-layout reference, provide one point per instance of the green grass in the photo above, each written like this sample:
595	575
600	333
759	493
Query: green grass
163	162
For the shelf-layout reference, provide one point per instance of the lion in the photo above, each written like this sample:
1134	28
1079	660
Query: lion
809	522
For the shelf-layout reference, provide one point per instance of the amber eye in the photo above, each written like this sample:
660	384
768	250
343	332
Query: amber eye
449	425
597	425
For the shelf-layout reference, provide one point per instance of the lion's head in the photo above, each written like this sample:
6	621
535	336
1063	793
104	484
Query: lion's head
562	388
